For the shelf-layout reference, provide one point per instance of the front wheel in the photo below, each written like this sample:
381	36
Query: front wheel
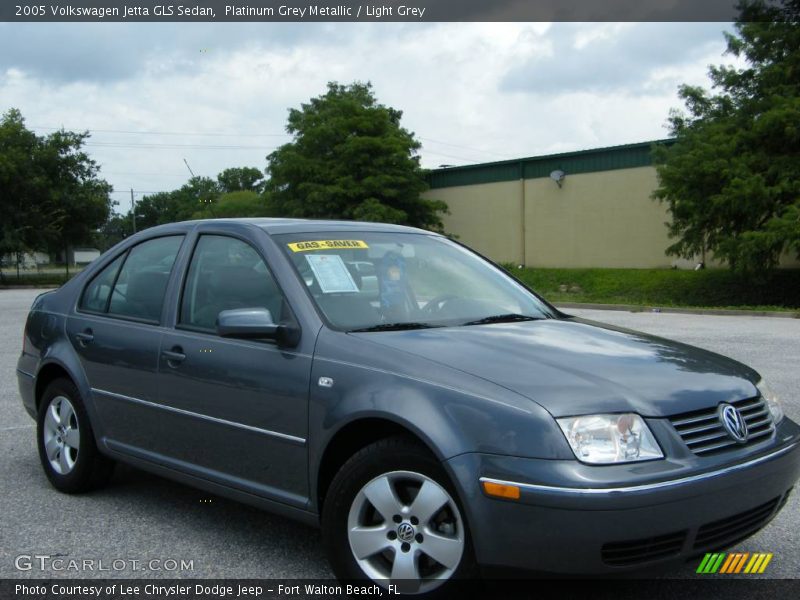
390	516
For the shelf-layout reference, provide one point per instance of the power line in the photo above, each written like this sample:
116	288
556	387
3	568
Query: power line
221	134
450	156
184	147
154	145
142	191
466	148
142	173
184	133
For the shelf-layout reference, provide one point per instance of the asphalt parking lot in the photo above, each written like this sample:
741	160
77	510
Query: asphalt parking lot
143	518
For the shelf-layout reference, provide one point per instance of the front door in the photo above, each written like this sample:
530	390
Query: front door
236	411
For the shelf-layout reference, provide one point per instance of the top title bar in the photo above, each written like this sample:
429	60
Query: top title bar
347	10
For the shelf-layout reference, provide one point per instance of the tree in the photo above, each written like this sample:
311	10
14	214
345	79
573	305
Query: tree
79	202
23	189
113	231
731	180
350	159
240	179
51	196
244	203
177	205
237	192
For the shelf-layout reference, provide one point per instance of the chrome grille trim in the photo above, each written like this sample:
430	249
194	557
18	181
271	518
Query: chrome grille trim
703	433
677	422
699	429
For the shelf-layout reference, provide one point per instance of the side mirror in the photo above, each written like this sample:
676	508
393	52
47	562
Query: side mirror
255	324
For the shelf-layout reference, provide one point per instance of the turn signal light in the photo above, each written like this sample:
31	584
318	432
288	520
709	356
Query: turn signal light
501	491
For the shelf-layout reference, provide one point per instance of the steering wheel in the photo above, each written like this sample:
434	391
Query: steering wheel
434	305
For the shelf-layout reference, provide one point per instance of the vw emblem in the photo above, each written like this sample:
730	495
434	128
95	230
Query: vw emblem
405	532
733	422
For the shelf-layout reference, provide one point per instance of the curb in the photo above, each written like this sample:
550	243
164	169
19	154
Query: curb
724	312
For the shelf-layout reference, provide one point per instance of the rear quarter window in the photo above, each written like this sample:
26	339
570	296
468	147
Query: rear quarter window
95	296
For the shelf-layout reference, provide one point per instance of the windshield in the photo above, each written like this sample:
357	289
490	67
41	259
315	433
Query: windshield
367	280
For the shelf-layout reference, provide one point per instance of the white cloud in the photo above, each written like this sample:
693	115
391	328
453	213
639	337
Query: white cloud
473	92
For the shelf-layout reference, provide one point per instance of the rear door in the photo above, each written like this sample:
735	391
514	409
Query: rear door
116	331
236	411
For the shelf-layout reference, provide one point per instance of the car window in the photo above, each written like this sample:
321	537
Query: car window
95	296
142	281
226	273
367	279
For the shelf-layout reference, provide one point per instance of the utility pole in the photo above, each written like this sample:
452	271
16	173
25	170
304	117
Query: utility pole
133	211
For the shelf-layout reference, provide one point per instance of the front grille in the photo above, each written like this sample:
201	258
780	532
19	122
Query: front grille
620	554
703	432
730	530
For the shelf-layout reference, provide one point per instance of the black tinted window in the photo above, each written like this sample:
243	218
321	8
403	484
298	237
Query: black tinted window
226	273
95	296
142	282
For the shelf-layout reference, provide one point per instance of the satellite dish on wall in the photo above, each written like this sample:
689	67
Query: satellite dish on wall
558	176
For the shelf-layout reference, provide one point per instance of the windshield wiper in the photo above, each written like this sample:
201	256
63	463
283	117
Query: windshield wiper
505	318
394	327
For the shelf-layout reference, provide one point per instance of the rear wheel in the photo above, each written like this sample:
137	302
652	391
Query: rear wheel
390	516
66	443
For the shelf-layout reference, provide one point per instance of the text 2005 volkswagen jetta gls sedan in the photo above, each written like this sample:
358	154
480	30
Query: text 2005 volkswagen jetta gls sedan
427	409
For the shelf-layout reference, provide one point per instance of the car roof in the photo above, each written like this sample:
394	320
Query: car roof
282	225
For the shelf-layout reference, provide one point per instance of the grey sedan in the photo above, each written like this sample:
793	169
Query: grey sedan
431	413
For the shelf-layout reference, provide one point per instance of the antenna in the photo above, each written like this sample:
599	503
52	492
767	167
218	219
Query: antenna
558	176
188	167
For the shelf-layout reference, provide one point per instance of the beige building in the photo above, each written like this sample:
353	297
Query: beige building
599	215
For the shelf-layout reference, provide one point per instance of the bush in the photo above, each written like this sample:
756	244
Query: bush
50	279
708	288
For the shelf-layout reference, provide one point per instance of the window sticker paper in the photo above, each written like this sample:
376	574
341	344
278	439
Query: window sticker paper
331	273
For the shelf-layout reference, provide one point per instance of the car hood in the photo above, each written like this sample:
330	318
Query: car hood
573	366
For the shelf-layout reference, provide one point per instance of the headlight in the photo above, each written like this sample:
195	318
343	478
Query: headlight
773	402
604	439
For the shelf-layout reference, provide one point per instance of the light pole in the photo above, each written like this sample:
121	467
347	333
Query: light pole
133	211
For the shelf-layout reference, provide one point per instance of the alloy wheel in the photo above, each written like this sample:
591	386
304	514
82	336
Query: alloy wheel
405	529
61	435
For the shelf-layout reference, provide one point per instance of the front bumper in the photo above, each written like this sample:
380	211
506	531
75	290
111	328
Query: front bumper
562	523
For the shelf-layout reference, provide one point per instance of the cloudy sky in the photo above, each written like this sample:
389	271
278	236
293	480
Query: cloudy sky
217	94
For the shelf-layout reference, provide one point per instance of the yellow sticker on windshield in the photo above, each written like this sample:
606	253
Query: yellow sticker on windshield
327	245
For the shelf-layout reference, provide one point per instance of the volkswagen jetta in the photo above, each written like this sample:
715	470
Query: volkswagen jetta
424	407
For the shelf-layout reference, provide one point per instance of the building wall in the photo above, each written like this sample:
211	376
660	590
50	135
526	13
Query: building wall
27	260
603	219
600	219
487	217
602	215
83	256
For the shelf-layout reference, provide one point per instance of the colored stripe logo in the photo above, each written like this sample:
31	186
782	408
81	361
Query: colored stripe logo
735	562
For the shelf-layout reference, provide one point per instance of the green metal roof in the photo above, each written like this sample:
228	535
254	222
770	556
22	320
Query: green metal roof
584	161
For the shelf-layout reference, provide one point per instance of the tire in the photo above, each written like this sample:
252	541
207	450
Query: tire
363	541
67	448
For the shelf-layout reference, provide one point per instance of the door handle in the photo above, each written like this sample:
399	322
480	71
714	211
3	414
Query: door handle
175	355
85	337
